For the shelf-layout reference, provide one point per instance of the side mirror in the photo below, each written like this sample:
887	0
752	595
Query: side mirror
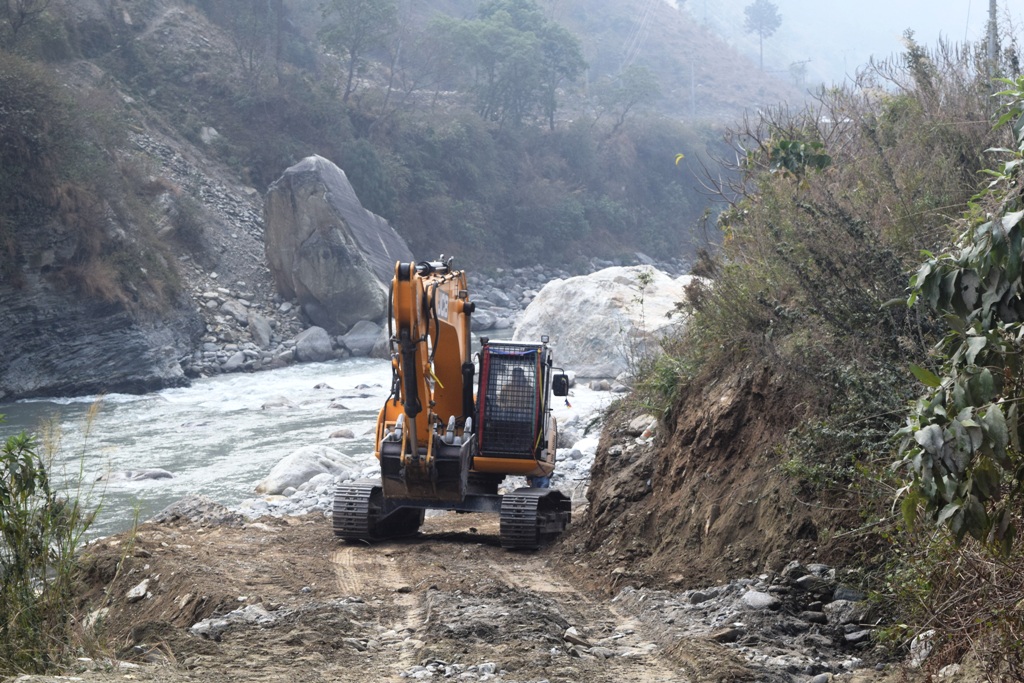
560	385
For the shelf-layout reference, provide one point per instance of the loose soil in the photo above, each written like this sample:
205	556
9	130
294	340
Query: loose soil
338	611
449	602
709	502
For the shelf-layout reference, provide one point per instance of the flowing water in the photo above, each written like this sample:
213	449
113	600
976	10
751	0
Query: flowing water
216	437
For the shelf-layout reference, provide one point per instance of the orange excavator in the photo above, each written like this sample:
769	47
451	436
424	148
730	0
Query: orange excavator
452	429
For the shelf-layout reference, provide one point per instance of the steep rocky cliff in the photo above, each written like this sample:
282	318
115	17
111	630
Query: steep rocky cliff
57	343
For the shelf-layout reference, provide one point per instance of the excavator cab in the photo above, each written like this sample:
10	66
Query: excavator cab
517	434
510	400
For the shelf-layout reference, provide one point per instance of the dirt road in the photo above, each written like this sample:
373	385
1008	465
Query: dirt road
278	600
283	600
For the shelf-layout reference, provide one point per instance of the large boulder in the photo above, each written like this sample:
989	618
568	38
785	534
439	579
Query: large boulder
300	466
325	249
363	338
313	345
601	324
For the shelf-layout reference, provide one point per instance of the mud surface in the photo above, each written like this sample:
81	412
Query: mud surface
283	600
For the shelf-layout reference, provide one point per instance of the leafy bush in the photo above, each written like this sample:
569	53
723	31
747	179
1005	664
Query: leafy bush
962	445
40	531
813	256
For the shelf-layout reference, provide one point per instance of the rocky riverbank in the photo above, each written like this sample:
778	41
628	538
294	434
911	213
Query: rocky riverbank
250	329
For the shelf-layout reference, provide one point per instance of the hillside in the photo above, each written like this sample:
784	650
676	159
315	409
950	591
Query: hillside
153	129
782	400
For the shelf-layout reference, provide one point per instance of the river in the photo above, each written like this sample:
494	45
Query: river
214	436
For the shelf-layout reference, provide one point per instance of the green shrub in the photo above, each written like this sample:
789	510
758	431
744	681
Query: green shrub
40	532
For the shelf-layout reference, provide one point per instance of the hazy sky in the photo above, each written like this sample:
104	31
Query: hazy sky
838	36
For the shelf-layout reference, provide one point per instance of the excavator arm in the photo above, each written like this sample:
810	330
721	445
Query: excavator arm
432	395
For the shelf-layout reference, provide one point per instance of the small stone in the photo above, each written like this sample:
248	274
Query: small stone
138	592
359	645
726	635
759	600
815	584
858	636
920	647
573	636
793	571
210	628
814	617
842	612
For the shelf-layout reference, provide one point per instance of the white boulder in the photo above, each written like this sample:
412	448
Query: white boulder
302	465
599	323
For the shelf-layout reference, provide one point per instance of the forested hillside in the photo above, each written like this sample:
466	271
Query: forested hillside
497	132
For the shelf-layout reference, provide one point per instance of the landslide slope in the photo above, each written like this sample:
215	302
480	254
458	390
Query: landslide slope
709	503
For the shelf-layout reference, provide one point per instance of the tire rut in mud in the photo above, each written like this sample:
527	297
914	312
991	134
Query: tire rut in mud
464	605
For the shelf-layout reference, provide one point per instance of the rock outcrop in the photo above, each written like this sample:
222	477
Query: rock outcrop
325	250
600	323
56	343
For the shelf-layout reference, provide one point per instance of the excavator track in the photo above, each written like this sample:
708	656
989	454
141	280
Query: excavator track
358	514
532	517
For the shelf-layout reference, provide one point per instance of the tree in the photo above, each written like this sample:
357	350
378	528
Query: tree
516	59
563	62
254	28
634	87
763	19
17	14
353	27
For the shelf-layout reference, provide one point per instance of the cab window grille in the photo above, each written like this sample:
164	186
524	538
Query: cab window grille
510	405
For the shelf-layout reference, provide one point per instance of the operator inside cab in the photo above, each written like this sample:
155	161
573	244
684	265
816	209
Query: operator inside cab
517	392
